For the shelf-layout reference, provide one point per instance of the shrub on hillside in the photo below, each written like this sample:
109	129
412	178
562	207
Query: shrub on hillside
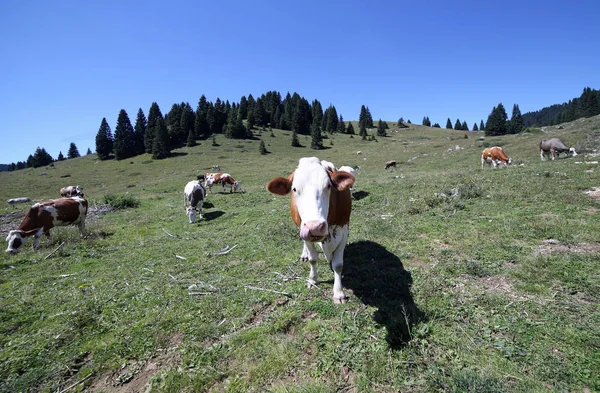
121	201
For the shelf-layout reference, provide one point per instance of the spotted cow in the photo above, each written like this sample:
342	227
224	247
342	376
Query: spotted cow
320	206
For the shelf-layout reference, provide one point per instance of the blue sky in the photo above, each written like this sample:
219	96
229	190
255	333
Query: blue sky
67	64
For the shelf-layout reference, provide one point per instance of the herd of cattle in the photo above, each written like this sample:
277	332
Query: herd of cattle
320	205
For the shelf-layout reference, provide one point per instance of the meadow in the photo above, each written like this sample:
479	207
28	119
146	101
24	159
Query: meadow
459	279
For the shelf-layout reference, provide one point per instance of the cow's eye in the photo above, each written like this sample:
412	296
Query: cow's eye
294	189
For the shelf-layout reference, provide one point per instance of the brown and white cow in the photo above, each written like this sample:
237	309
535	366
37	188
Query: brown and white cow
71	191
224	179
193	194
43	216
390	164
494	155
320	206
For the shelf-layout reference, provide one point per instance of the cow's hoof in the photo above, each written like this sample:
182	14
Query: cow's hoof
340	300
311	283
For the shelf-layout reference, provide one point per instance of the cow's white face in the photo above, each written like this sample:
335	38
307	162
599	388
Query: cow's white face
572	152
311	188
15	241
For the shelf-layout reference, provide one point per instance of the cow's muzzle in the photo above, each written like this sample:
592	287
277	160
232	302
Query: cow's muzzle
313	231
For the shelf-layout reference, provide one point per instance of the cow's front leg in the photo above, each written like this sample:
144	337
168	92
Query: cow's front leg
310	254
334	252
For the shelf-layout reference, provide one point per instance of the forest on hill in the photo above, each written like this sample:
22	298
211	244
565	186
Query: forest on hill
158	135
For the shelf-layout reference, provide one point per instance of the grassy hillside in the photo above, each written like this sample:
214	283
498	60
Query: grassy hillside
460	279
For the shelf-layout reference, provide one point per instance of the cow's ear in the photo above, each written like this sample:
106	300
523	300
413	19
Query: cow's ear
280	186
342	180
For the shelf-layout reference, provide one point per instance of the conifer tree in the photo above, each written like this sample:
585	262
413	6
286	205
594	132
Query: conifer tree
88	152
160	145
104	141
73	152
362	131
341	128
475	127
458	125
188	118
124	143
464	126
40	158
331	119
317	113
60	156
191	139
449	124
426	121
381	128
496	123
350	129
201	128
481	126
295	141
516	123
151	128
262	149
139	132
316	141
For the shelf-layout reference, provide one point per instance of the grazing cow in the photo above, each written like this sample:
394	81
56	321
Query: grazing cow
13	201
224	179
43	216
494	155
71	191
389	164
194	194
320	206
554	147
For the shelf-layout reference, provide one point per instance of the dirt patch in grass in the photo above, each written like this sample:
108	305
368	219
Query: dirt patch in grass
550	246
594	193
134	376
10	221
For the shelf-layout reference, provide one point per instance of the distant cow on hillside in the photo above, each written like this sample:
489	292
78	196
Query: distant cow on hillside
71	191
554	147
193	194
494	155
390	164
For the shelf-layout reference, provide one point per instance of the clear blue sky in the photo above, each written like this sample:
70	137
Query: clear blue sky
67	64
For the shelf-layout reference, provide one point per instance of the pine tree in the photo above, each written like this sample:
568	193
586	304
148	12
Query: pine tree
104	141
160	145
350	129
40	158
496	123
262	148
464	126
331	119
201	128
316	141
188	119
458	125
481	126
317	113
124	143
139	131
153	115
295	141
341	129
60	156
449	124
73	152
426	121
301	120
362	131
191	140
88	152
381	128
475	127
516	123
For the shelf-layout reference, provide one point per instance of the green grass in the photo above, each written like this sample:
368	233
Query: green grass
451	285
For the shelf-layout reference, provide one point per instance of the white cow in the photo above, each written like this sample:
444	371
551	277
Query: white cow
194	194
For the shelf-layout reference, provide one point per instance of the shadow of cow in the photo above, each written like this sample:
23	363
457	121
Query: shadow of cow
378	278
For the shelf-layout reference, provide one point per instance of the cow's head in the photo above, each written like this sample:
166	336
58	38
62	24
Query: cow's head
191	213
15	240
572	152
311	185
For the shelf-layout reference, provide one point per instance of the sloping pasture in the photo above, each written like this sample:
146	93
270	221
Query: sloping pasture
460	279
